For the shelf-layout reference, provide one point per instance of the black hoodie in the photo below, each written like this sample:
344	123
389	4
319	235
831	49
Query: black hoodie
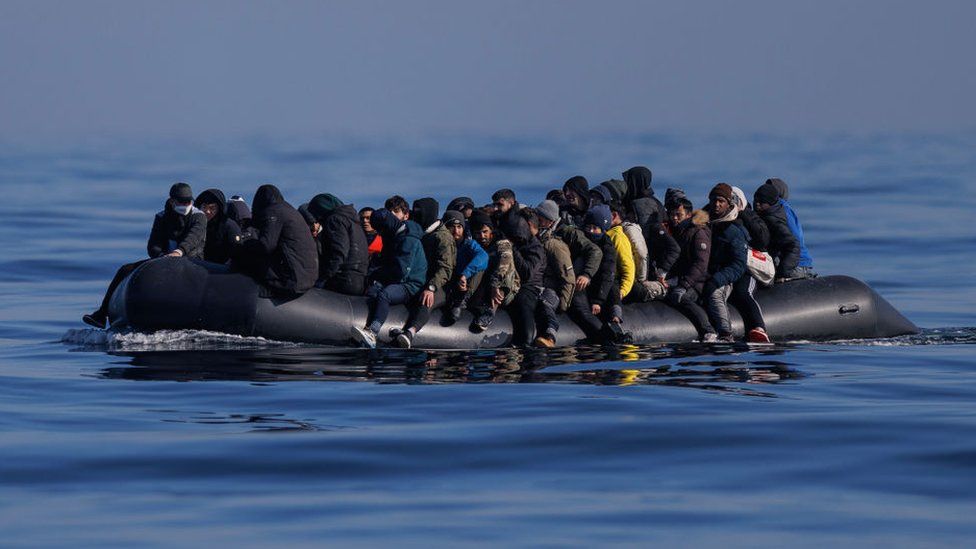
342	267
172	231
648	210
528	253
223	233
283	255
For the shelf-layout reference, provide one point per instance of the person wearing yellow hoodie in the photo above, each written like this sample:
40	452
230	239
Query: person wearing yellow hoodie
626	269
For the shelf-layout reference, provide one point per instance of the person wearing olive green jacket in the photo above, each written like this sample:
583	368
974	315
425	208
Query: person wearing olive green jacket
626	270
559	279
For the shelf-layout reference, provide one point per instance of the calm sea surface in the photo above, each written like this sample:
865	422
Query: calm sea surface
191	438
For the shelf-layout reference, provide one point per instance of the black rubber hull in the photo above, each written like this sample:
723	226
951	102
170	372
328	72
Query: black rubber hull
171	293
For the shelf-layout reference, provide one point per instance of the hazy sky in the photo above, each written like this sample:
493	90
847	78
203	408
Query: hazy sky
230	68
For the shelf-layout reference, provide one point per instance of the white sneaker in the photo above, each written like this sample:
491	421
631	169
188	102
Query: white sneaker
364	336
710	337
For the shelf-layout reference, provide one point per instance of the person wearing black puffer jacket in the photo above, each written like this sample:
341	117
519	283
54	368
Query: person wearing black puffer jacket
530	263
647	210
180	230
223	233
283	257
727	262
345	257
783	245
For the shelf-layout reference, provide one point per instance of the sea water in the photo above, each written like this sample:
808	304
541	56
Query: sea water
192	438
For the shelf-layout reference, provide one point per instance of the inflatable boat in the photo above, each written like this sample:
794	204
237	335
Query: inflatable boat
173	293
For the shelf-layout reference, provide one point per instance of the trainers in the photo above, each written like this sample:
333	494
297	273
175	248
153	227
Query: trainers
364	336
395	332
404	339
758	335
727	338
96	319
710	337
546	340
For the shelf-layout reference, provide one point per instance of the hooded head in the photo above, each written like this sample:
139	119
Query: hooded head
781	187
578	184
265	197
461	204
238	211
386	224
601	193
215	197
516	229
307	215
424	212
322	205
766	194
638	181
739	198
599	216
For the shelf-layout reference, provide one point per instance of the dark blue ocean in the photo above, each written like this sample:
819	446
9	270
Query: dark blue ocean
191	438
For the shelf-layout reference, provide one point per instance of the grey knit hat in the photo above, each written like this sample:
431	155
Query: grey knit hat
548	209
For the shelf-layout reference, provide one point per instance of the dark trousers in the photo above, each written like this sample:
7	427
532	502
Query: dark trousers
689	307
124	271
522	312
581	312
379	299
457	298
349	285
744	300
420	315
545	312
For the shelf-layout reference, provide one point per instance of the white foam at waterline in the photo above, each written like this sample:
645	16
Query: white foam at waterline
165	340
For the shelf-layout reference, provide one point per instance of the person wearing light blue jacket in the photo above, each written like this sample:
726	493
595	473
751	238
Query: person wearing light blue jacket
472	260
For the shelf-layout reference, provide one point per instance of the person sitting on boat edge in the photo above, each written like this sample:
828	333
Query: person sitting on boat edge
440	249
687	276
559	279
757	237
472	261
180	230
576	192
597	311
223	233
804	265
501	280
530	262
344	258
727	261
400	275
283	257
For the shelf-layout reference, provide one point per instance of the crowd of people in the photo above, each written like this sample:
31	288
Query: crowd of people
582	253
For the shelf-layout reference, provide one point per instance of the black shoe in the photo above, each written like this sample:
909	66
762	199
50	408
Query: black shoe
96	319
395	332
404	339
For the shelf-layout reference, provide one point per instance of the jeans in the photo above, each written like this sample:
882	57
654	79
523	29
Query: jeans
718	309
379	299
545	312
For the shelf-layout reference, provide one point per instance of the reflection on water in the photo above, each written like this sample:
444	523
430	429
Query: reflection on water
684	366
262	423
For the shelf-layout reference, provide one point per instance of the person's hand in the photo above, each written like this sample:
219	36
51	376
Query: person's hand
582	281
175	253
595	309
427	299
663	282
499	296
463	283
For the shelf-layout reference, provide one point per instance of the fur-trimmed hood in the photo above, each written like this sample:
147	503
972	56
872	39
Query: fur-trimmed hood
700	218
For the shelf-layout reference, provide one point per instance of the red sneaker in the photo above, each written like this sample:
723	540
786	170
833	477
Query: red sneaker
758	335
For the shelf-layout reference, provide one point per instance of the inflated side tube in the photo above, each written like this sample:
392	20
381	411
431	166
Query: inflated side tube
176	293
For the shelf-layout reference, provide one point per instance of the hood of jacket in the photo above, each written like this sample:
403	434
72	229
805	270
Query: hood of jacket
386	224
211	196
265	197
516	228
349	212
638	181
238	211
424	212
616	188
781	187
322	205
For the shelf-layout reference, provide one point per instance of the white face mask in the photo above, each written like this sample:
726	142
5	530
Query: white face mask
183	209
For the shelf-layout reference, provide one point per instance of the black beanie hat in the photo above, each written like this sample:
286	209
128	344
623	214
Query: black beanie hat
766	194
479	219
599	216
452	217
781	187
181	192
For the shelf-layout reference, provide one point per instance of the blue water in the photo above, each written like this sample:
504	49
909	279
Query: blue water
186	438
